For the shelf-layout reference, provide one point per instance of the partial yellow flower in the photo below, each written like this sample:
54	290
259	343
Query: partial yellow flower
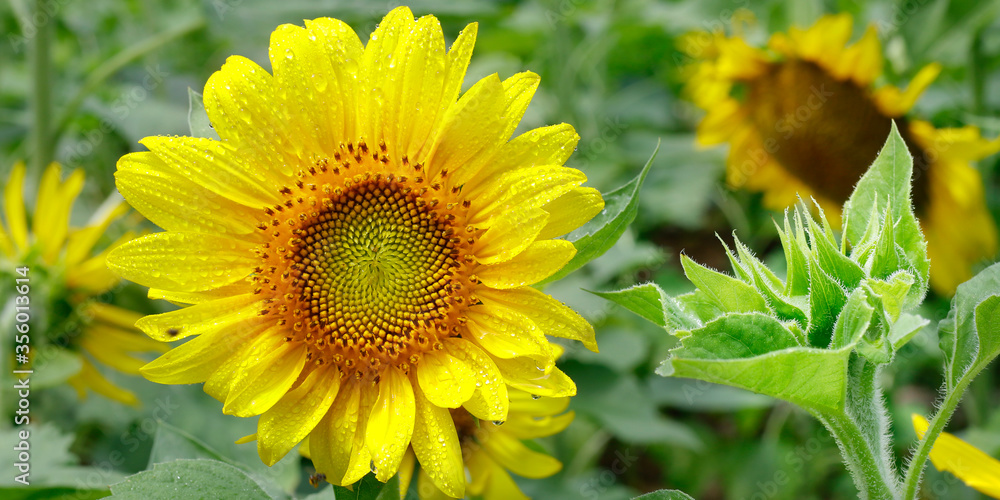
357	249
804	118
977	469
492	450
67	280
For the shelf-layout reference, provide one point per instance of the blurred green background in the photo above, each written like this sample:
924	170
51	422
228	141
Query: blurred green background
121	70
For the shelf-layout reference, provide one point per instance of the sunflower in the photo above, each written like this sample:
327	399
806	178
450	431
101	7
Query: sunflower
977	469
357	249
804	118
71	323
491	449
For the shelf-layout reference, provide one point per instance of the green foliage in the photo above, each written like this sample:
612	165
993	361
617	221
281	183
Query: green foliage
820	337
190	478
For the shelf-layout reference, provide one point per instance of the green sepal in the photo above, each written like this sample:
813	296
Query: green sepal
853	321
727	292
768	284
796	249
831	259
826	301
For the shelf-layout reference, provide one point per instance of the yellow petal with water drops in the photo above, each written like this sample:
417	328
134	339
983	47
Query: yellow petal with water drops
513	455
481	468
82	241
217	167
175	203
93	380
489	400
436	445
196	262
527	375
470	128
93	276
428	490
238	288
570	211
13	205
243	349
390	424
539	261
553	317
380	74
197	359
534	405
509	235
524	188
968	463
500	484
202	318
406	468
334	434
551	145
312	104
505	333
446	381
343	50
361	457
239	100
297	413
265	377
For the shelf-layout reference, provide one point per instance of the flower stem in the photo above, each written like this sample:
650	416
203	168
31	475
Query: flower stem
41	93
861	460
916	468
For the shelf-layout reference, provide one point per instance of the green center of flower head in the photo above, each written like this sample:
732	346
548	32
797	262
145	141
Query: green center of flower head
825	131
366	268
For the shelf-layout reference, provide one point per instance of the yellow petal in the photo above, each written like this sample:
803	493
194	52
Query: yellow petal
239	100
113	315
552	316
500	484
265	376
509	235
316	68
14	207
428	490
331	442
489	401
176	203
104	351
526	375
378	102
52	210
518	458
528	427
524	188
82	241
570	211
93	380
550	145
197	359
949	453
539	261
505	333
126	340
435	444
217	167
206	317
470	129
894	102
446	381
296	414
405	472
390	424
195	262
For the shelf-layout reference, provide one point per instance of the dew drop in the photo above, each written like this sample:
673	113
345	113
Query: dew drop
498	422
374	469
536	397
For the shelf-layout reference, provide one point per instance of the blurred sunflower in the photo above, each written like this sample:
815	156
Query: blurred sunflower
804	117
491	449
67	282
949	453
357	248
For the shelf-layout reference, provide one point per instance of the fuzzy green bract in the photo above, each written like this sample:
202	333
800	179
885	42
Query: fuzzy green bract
819	336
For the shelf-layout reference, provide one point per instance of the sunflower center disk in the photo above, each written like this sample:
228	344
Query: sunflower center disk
367	270
824	131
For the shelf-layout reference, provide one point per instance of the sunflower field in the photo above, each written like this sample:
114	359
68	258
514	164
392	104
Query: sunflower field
550	249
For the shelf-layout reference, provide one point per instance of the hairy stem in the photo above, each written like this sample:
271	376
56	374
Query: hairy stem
916	468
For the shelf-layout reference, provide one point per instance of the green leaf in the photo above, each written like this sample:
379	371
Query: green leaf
198	118
756	352
198	478
728	293
664	495
826	301
905	328
795	247
649	301
889	177
772	289
853	321
970	335
603	231
831	259
51	461
369	488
